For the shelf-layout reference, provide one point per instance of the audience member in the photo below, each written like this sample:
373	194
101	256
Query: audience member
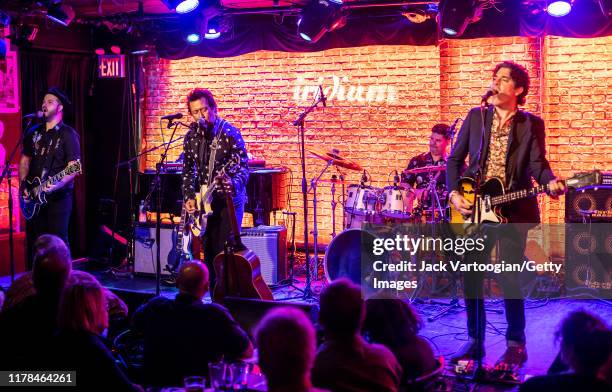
586	344
23	287
2	297
182	335
345	361
395	324
27	327
82	319
286	346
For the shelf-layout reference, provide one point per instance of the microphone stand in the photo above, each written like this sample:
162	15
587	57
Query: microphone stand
155	185
7	173
299	122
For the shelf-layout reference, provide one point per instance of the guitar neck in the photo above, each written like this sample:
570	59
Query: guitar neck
235	231
58	177
179	234
517	195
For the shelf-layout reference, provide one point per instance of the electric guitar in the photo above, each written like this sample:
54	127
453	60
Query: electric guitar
31	195
181	241
237	268
491	197
204	199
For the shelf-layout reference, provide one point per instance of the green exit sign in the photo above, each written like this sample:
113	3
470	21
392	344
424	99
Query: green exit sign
111	66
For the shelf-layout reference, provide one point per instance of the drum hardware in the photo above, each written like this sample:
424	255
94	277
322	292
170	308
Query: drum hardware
335	158
425	169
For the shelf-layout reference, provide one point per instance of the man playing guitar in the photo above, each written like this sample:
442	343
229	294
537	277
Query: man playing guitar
48	148
210	147
512	149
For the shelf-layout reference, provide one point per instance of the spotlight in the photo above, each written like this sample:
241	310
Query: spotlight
193	38
456	15
115	49
60	13
99	51
213	30
319	17
559	8
181	6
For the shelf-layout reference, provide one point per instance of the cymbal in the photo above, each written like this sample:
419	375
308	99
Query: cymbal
335	158
425	169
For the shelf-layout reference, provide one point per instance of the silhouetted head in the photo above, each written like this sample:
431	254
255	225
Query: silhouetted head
193	279
341	309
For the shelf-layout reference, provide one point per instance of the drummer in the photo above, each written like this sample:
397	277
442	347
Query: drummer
438	143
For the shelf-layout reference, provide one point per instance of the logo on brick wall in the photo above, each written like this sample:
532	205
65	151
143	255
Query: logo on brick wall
343	89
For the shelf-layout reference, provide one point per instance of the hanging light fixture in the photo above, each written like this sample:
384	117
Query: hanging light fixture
320	17
181	6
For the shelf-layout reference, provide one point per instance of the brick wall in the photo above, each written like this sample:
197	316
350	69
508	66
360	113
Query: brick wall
383	100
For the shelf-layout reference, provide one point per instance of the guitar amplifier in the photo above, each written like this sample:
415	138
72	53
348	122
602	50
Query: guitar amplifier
269	243
145	248
596	200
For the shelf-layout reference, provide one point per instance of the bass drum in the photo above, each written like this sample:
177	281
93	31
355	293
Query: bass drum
344	254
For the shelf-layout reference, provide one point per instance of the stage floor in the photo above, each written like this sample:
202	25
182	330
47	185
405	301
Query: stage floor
446	333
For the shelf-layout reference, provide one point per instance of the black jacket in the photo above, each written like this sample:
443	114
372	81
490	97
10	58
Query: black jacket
525	158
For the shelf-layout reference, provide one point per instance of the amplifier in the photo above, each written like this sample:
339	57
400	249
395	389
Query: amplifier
596	200
145	248
269	243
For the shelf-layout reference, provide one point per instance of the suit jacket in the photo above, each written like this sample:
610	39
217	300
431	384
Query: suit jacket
525	158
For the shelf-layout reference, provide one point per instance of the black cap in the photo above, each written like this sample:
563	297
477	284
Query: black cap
61	96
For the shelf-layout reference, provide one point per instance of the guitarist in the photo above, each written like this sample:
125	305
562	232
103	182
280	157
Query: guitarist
211	143
47	149
512	150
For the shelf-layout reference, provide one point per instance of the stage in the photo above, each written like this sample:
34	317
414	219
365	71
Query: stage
445	333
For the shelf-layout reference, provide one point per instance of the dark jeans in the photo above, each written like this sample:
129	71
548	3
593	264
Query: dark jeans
512	240
218	229
53	218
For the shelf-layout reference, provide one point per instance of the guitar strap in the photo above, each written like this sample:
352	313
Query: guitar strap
50	156
213	154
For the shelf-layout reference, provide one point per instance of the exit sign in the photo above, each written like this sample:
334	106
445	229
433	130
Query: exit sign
111	66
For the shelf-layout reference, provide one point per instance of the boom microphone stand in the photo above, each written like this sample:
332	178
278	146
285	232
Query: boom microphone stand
299	122
156	184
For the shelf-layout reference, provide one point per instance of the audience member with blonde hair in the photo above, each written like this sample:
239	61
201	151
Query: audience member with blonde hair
286	345
82	318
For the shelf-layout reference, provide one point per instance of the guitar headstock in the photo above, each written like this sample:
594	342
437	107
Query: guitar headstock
582	180
74	167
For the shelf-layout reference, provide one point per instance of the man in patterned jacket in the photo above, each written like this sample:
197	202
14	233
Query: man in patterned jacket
210	146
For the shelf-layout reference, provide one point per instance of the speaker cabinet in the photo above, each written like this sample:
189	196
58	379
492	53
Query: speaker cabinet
598	200
269	244
145	248
588	257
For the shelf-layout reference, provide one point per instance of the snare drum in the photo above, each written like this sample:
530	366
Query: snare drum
397	202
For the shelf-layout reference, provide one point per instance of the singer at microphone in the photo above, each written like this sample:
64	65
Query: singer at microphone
485	98
505	143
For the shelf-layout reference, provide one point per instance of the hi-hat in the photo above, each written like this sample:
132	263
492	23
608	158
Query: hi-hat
335	158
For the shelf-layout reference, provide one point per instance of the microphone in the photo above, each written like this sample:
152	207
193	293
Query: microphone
485	98
171	117
37	114
322	96
364	177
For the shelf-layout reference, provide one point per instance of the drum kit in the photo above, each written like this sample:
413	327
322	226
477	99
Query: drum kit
363	204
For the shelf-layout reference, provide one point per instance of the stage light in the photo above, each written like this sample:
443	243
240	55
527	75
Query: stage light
559	8
319	17
213	29
181	6
99	51
59	13
456	15
115	49
193	38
